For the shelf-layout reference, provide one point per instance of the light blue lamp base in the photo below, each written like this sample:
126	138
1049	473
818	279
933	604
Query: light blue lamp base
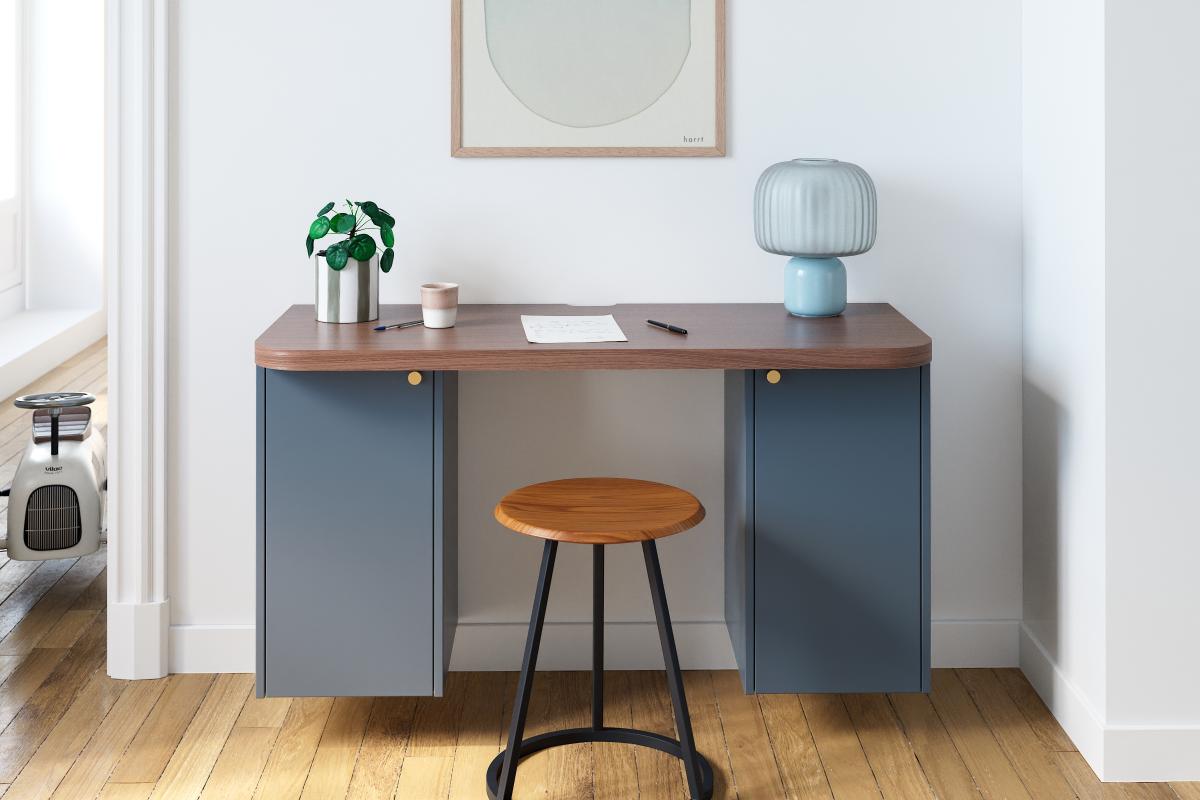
814	287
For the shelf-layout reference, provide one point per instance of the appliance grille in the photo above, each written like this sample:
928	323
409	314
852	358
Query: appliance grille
52	518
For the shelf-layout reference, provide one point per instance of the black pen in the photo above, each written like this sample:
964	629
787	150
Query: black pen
399	325
667	326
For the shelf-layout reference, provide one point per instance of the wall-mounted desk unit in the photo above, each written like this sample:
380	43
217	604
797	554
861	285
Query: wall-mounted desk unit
826	500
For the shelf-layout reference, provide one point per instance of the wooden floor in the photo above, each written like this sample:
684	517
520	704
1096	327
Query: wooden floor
67	730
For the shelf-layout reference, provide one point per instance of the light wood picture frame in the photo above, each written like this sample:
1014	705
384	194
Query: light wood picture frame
555	78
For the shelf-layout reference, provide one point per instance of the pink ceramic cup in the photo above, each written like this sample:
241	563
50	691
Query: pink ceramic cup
439	304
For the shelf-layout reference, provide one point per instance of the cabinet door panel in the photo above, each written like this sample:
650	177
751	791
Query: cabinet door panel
837	521
348	583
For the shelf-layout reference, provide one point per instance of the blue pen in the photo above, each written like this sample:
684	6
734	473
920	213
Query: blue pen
399	325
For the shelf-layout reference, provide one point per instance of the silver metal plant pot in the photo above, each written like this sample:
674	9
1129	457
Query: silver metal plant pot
350	294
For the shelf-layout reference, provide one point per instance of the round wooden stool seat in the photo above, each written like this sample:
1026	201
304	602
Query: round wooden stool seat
599	510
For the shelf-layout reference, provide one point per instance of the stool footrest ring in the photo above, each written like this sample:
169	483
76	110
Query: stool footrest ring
544	741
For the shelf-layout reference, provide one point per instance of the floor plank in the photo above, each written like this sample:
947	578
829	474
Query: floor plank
1149	791
1044	724
241	763
1187	791
382	751
333	764
88	774
1034	763
126	791
18	603
755	774
889	753
147	755
1083	781
614	771
14	573
69	628
533	776
264	712
706	727
24	680
435	724
660	776
287	768
50	763
795	752
939	758
990	767
427	777
842	755
569	769
478	733
51	700
51	606
193	760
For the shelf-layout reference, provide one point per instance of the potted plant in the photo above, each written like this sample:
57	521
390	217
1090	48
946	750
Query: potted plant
347	279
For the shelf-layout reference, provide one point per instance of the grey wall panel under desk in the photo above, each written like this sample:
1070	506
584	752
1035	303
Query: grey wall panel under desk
834	533
347	540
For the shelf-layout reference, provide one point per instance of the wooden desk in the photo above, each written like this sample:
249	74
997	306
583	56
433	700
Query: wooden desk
826	472
490	337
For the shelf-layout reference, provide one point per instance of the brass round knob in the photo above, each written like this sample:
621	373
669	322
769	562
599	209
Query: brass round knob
414	378
773	376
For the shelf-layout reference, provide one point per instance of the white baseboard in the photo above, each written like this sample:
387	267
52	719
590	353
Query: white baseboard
212	648
137	640
1125	753
975	643
32	342
487	646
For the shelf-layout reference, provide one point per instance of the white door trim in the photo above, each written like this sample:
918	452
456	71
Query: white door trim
136	266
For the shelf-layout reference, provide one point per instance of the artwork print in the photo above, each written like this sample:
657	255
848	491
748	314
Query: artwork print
588	77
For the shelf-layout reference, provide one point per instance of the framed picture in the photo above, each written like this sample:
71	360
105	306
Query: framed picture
588	78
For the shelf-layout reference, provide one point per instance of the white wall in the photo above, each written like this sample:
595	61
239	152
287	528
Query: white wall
1112	118
924	95
1064	398
1153	166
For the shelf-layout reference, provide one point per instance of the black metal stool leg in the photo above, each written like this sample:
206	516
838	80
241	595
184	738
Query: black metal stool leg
683	721
597	636
501	772
516	730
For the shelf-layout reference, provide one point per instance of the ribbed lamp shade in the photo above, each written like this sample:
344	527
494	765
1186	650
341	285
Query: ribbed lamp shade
816	208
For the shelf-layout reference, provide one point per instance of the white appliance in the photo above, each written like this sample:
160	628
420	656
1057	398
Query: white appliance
56	501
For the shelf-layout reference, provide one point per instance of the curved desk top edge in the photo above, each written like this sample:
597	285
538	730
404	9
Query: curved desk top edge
490	337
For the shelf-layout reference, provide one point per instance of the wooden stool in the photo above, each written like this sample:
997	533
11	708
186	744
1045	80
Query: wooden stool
599	511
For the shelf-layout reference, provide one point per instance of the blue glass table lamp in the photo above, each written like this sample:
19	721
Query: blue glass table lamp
815	209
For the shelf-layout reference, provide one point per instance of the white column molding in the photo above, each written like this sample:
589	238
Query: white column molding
136	222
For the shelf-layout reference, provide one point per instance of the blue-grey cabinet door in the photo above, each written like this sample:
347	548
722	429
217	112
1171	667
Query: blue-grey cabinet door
838	549
347	575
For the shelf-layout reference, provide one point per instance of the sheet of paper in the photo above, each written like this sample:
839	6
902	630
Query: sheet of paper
556	330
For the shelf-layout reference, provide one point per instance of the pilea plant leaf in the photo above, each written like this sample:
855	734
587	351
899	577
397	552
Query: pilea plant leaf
337	255
362	247
319	227
357	244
